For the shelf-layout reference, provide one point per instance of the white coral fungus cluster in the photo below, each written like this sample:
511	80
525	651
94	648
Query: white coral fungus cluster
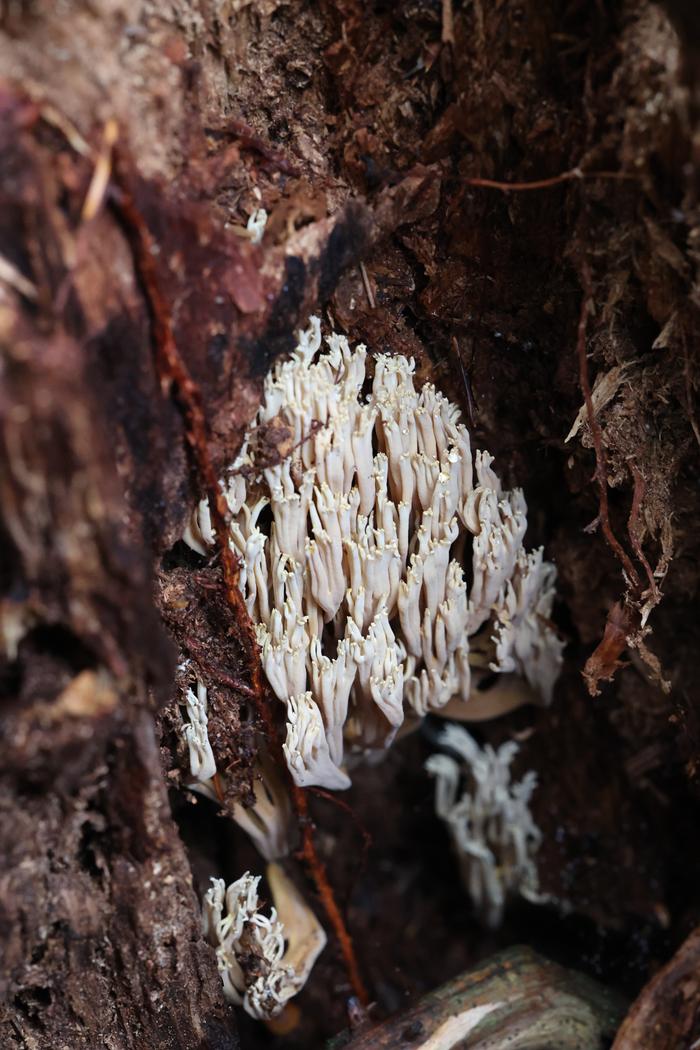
490	824
263	960
353	552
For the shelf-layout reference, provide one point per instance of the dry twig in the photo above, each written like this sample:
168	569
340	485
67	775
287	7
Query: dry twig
597	436
554	180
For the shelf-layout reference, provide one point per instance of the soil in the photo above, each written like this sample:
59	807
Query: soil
367	131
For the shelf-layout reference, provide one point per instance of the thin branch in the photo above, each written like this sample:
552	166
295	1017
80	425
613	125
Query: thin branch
466	380
221	676
596	434
250	139
368	286
689	388
102	172
366	837
320	876
637	497
555	180
11	275
448	23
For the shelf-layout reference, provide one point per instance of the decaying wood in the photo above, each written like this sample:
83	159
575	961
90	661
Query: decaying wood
667	1013
515	1001
99	917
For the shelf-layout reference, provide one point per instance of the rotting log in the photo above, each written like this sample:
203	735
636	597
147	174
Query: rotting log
516	1000
99	918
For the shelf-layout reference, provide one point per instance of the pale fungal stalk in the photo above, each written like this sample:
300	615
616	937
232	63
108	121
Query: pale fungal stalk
202	764
255	227
269	821
351	563
263	960
489	821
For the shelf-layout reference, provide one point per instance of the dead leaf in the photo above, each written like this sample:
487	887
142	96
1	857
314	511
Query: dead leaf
604	390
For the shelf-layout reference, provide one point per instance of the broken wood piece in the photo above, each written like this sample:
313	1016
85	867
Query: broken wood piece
516	1000
666	1014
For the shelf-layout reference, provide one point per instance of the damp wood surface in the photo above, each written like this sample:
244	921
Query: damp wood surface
516	1001
510	197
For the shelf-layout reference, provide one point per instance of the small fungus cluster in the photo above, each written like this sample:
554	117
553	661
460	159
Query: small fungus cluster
196	734
488	819
264	960
372	548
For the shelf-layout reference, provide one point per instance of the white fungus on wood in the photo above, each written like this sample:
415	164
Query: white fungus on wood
255	227
202	763
488	819
263	960
356	549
